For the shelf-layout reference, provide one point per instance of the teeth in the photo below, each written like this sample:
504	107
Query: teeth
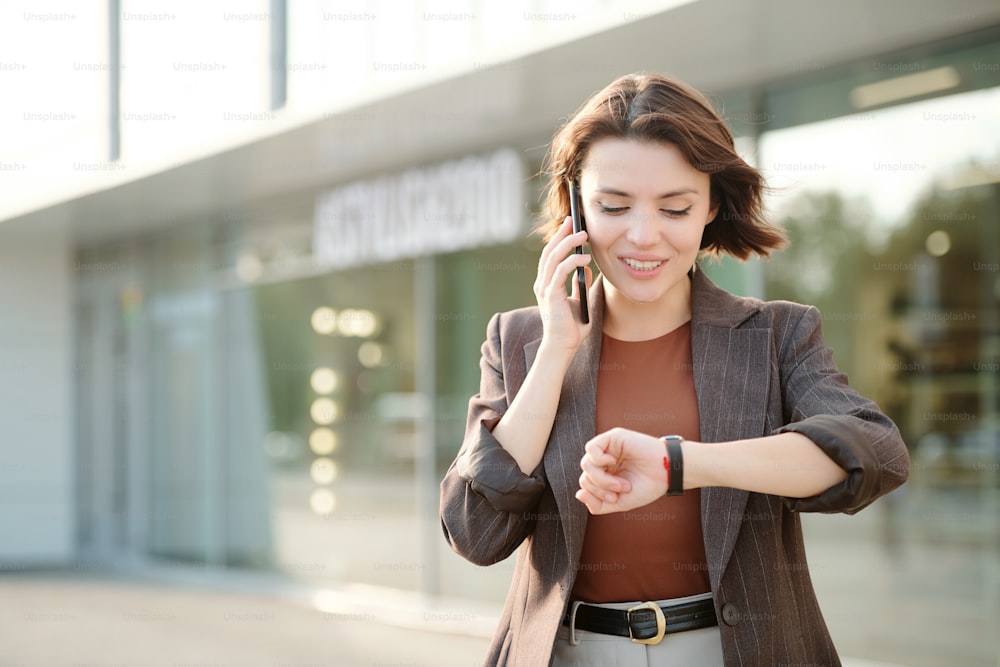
642	266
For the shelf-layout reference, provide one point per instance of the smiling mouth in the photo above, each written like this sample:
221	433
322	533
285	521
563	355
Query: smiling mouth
640	265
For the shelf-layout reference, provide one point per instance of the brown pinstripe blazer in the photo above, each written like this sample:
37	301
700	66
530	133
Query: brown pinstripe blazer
760	368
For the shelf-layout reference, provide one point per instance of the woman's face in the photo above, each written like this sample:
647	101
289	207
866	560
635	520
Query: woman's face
645	208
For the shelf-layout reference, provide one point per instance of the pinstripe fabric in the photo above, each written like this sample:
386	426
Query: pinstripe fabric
759	368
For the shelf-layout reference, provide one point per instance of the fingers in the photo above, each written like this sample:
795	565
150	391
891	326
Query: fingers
594	504
622	470
600	477
602	484
548	249
563	241
558	260
596	453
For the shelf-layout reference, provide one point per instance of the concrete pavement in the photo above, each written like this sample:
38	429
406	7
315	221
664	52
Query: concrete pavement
87	620
180	617
906	601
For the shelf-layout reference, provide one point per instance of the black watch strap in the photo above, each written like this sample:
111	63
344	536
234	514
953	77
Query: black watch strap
675	459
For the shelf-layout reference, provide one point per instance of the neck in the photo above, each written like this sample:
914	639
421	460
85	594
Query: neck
629	320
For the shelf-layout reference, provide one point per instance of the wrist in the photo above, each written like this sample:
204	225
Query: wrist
702	465
554	356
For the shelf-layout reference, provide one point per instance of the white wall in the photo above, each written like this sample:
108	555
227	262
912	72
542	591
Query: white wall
36	416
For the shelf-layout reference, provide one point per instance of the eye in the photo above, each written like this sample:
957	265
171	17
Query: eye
678	214
613	210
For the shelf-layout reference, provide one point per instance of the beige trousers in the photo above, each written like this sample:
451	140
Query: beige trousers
694	648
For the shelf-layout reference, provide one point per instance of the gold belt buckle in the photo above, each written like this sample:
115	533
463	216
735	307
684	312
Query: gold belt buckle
661	623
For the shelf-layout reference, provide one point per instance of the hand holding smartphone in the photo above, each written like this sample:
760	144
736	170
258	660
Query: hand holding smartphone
576	212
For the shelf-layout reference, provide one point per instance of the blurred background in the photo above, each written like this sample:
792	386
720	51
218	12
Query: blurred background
248	250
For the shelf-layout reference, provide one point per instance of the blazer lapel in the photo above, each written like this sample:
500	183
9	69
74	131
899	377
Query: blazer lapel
575	424
731	376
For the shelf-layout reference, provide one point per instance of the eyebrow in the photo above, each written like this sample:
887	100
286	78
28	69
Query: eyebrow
665	195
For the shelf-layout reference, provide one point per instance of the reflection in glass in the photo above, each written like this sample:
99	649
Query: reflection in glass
323	411
372	350
322	441
323	380
324	320
938	243
323	470
899	250
357	323
322	501
370	354
905	87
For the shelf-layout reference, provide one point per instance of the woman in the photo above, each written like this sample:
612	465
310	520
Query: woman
702	422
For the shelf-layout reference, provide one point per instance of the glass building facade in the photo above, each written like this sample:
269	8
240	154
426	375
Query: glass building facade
241	405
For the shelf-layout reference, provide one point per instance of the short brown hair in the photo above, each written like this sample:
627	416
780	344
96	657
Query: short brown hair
651	107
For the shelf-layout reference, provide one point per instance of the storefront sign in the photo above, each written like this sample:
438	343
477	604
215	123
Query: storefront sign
475	201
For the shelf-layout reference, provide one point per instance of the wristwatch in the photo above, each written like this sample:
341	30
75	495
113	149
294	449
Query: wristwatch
675	461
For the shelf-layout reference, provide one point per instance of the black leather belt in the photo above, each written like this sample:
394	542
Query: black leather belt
646	623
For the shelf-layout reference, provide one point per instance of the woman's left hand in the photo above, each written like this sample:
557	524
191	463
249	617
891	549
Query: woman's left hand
622	470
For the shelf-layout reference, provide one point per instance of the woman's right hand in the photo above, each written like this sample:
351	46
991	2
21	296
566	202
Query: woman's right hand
524	428
562	328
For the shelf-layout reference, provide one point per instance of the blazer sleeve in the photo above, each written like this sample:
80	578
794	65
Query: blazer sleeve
487	502
849	428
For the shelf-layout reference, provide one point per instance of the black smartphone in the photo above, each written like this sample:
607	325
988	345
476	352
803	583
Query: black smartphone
576	212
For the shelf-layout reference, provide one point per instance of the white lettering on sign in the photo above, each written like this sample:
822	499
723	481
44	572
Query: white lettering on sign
475	201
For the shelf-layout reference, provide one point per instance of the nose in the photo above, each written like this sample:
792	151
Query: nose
642	230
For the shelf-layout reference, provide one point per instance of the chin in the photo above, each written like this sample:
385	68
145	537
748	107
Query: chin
647	295
644	291
646	298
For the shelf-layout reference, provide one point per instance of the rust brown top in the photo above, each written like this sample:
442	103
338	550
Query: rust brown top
652	552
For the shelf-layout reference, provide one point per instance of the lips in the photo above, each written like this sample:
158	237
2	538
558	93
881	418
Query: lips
642	265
